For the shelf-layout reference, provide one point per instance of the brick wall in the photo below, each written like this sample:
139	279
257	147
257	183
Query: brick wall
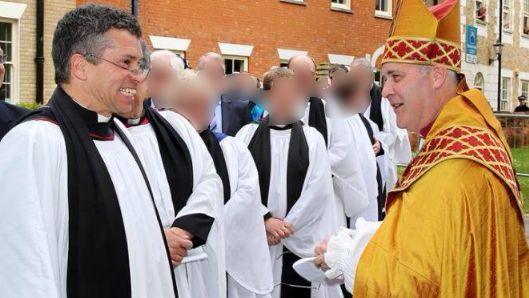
265	24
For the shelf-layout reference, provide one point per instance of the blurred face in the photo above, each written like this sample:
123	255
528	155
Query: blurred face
114	87
2	68
197	108
303	68
285	100
411	92
213	70
160	77
364	82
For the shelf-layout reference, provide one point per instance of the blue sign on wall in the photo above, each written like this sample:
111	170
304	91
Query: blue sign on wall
471	44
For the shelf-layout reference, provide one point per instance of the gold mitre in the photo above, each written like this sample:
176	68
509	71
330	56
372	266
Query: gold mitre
425	35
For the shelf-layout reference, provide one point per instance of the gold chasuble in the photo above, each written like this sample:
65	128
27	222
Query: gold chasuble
454	221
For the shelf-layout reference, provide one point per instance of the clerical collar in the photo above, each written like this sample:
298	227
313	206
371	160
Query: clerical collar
283	126
100	127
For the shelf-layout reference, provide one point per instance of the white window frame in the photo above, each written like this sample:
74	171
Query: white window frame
525	14
388	14
240	58
506	94
510	5
341	6
14	61
483	3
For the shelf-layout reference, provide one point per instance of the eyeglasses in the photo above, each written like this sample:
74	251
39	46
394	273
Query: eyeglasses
142	71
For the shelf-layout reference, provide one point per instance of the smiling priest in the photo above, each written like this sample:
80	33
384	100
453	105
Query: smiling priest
77	218
454	223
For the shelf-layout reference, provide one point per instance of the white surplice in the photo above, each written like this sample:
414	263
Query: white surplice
34	215
395	142
361	145
205	278
247	256
309	215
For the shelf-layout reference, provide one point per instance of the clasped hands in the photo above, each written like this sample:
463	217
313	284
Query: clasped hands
277	229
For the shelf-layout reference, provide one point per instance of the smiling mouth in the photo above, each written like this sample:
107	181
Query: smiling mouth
127	91
397	105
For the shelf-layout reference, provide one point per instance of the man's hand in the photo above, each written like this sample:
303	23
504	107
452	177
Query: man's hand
278	228
319	251
377	147
272	240
179	242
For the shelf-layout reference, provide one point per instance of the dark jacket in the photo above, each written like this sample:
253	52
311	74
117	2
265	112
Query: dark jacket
8	115
235	114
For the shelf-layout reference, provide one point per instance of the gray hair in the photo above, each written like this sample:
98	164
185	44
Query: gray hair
366	63
186	83
209	56
81	31
176	62
452	75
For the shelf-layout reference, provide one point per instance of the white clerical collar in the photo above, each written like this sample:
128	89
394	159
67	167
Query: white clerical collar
134	121
103	119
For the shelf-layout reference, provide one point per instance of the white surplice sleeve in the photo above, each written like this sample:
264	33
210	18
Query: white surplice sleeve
33	212
247	253
207	186
348	179
345	248
245	135
307	214
394	139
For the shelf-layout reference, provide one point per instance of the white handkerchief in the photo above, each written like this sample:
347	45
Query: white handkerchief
195	254
306	268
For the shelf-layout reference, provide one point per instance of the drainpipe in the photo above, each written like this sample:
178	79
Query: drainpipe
134	7
39	58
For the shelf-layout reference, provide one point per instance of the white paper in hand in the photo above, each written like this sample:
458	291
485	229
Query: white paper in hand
306	268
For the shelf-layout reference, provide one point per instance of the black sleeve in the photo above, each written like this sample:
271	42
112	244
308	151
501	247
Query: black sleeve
197	224
381	152
267	216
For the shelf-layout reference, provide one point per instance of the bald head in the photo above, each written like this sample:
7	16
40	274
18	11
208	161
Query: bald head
304	69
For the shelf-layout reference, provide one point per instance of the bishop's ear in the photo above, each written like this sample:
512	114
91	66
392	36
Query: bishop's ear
78	67
439	76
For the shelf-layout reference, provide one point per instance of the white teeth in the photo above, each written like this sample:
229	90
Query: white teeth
128	91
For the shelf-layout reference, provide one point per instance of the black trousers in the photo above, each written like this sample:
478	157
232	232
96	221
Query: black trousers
293	285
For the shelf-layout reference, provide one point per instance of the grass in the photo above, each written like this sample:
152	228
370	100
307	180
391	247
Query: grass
521	164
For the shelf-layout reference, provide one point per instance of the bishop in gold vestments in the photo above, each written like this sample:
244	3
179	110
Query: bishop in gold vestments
454	223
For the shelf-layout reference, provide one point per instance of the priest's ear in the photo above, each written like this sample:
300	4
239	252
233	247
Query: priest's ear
79	66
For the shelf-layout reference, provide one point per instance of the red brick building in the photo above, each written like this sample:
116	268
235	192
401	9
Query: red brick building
254	35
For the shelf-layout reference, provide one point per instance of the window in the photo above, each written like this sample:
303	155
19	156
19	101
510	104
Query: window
383	8
507	15
525	88
525	28
283	63
341	4
235	64
479	81
481	11
6	43
505	93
